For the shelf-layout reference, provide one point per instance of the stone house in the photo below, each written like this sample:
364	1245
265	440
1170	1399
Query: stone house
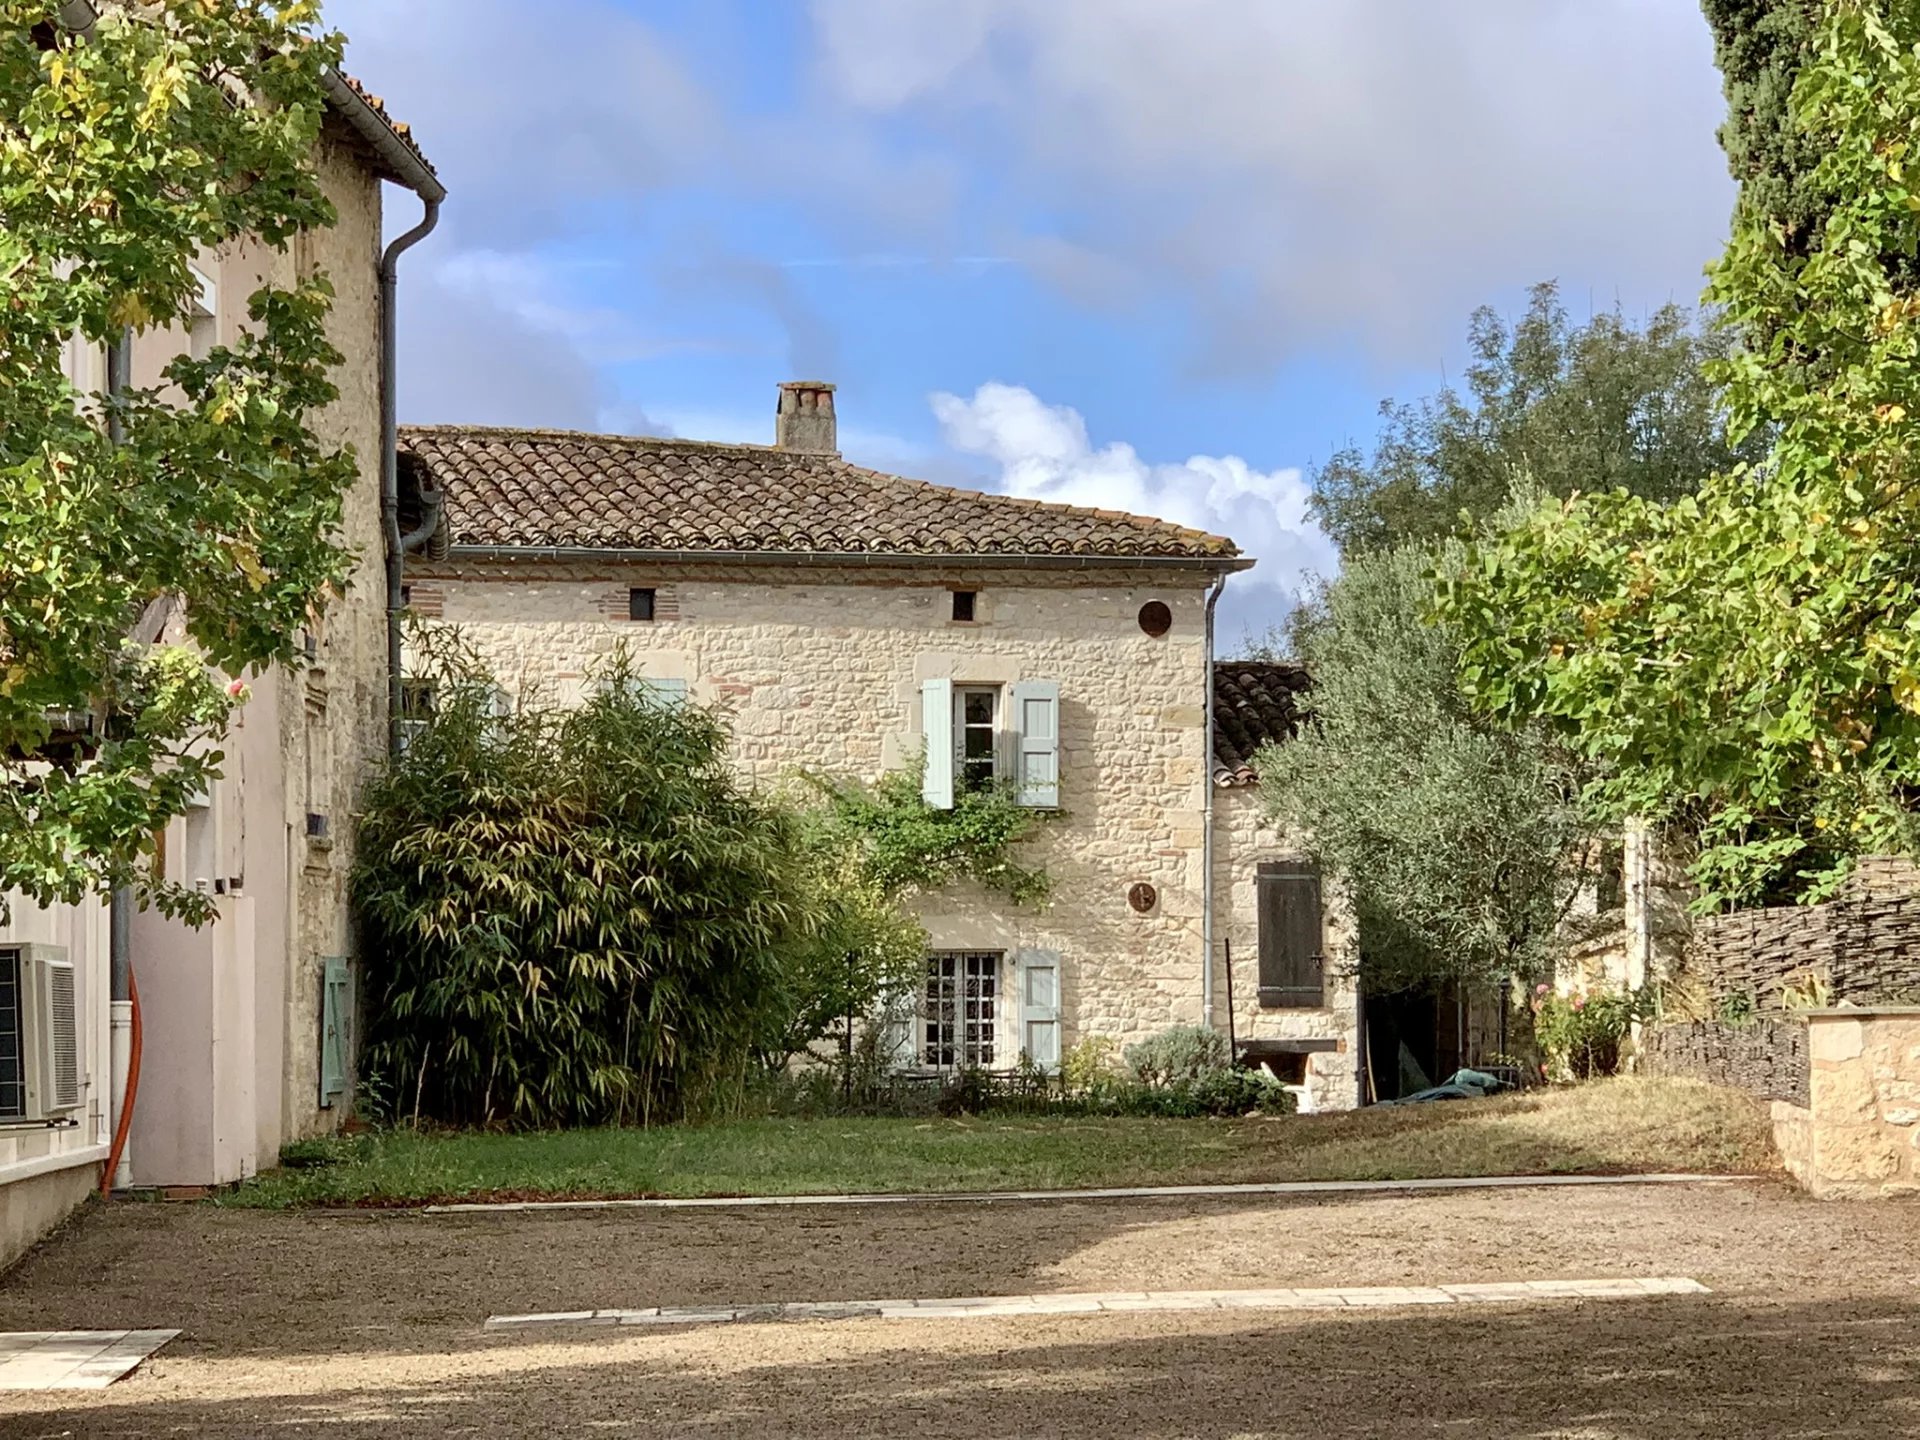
852	622
246	1021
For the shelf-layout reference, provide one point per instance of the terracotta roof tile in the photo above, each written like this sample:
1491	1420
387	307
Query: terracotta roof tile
1255	703
540	488
401	130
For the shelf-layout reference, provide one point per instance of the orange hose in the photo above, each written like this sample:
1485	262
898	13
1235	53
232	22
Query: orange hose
133	1089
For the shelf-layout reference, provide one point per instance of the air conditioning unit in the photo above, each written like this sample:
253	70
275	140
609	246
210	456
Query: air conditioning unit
39	1034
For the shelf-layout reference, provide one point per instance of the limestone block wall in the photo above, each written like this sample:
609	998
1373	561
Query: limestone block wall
1244	837
820	668
1863	1135
333	716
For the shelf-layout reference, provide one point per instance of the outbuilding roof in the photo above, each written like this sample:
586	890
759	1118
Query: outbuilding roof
1255	703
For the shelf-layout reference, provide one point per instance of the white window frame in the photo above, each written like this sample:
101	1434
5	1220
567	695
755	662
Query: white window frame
663	692
976	1040
996	735
203	316
418	703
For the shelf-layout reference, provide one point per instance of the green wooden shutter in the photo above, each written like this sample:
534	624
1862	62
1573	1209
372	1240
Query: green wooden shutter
1036	728
1040	1007
936	721
1291	963
336	1024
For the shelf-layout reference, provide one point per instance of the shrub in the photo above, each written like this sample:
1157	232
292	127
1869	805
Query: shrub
1088	1066
1215	1093
573	918
1581	1034
1179	1056
970	1092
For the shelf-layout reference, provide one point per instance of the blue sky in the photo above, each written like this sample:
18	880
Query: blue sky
1158	256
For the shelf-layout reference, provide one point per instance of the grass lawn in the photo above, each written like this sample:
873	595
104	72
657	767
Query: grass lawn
1612	1126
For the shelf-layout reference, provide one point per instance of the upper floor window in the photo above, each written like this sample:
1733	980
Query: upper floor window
963	605
203	318
1291	934
976	726
640	604
980	735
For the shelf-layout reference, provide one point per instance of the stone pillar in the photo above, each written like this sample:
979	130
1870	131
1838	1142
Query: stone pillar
1864	1116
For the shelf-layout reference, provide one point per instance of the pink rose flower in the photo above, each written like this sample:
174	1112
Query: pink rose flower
236	688
1541	988
1580	1004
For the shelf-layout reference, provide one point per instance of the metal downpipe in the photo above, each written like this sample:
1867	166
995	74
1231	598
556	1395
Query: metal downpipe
390	454
1206	822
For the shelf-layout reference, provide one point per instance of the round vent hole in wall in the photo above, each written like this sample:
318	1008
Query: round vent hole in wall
1155	618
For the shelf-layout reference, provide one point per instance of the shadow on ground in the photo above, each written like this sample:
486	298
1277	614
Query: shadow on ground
1668	1368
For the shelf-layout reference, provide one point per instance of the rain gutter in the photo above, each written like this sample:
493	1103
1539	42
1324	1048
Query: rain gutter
860	558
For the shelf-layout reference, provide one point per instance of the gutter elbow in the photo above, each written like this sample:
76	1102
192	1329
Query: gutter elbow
430	535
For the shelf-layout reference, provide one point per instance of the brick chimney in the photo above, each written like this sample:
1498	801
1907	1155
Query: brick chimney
804	421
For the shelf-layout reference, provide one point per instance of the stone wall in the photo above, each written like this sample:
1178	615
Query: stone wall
1864	1126
1766	1058
820	668
1243	838
333	715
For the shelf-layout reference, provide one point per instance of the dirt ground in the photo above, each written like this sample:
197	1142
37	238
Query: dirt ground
369	1324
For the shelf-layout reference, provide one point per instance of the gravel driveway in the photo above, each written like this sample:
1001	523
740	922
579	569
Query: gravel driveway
369	1325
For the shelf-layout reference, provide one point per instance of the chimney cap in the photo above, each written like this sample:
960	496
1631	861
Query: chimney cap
804	420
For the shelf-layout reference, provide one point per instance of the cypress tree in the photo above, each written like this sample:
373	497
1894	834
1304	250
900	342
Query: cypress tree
1759	46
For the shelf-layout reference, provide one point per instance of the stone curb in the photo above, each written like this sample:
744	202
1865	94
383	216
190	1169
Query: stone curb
1526	1292
1143	1192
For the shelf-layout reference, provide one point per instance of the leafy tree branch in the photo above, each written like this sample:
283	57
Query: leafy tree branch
169	132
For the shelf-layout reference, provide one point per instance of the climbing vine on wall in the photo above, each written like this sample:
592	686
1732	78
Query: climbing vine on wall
910	847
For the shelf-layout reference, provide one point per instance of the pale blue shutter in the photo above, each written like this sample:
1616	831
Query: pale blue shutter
668	694
1040	1007
936	720
336	1020
1036	730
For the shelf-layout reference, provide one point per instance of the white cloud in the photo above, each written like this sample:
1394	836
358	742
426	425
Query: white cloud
1045	453
1299	172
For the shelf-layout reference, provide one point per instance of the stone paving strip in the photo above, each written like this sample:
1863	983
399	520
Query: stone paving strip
74	1359
1002	1306
1145	1192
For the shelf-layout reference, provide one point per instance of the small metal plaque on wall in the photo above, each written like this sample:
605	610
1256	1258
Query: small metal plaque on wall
1143	897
